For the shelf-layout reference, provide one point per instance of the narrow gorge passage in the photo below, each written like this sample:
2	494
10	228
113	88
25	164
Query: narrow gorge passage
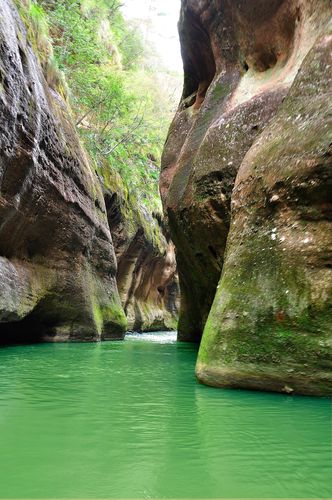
237	256
165	249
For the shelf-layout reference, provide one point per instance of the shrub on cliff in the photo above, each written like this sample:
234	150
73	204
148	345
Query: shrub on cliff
106	64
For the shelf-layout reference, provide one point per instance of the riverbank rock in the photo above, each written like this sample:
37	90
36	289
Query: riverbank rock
246	185
57	263
147	276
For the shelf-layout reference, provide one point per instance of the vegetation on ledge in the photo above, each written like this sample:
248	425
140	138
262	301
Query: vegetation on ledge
121	97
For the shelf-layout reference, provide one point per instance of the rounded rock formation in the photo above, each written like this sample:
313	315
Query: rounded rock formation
246	186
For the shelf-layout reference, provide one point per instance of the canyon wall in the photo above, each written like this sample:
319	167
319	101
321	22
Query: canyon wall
246	186
57	262
147	275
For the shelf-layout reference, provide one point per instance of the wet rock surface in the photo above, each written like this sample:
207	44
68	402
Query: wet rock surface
246	186
57	262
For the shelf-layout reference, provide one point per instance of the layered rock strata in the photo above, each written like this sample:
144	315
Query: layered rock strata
57	262
246	185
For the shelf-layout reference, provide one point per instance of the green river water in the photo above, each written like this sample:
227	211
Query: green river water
128	420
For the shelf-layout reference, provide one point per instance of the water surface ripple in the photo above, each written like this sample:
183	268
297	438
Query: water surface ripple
128	420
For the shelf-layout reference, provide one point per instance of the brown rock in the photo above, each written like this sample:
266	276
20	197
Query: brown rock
147	276
57	263
246	185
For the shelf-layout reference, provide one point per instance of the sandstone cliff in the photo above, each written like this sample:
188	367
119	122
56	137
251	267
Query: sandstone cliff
147	276
246	185
57	263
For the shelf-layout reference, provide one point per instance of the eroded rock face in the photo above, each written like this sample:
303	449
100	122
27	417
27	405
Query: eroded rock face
246	184
147	275
57	263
